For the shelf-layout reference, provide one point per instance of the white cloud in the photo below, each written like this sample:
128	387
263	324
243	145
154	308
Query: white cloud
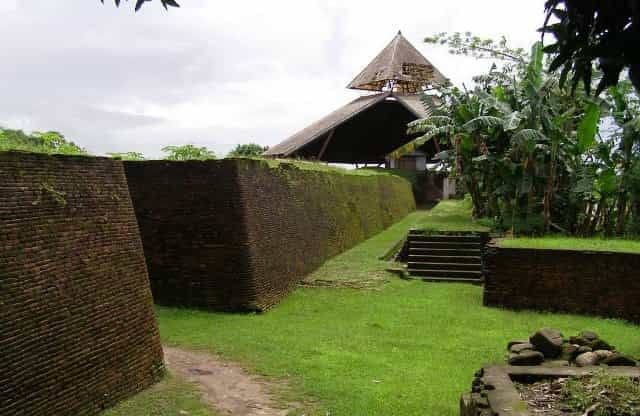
8	5
215	73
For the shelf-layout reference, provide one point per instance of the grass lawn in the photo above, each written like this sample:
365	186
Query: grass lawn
452	215
405	348
362	263
170	397
409	349
573	243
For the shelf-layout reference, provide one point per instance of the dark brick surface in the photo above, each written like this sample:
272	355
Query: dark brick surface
77	326
239	234
592	283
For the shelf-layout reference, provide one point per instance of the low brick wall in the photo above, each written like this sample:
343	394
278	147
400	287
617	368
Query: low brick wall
77	326
238	234
593	283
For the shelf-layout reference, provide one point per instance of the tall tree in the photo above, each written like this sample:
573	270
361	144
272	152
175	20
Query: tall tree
46	142
188	152
526	150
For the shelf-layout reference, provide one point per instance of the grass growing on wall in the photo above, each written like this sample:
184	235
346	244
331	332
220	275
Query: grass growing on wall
322	167
573	243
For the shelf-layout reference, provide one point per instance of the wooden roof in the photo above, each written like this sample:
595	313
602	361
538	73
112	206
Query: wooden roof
370	127
364	130
399	67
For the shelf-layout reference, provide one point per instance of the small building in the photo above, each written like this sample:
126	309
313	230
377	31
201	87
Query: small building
368	129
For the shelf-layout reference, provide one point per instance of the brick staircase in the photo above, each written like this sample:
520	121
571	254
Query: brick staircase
445	257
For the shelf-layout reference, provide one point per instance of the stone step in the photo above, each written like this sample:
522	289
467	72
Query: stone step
468	274
445	259
445	244
444	251
446	279
444	238
444	266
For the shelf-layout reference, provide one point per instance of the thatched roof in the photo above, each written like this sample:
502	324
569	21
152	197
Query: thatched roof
399	66
364	130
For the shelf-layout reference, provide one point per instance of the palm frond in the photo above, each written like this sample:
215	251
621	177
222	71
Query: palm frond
421	125
482	122
415	144
512	121
491	102
527	135
525	142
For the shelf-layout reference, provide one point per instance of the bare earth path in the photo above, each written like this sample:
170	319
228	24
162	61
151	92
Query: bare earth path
226	386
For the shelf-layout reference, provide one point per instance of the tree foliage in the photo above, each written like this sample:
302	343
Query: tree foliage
533	155
188	152
50	142
481	48
248	150
588	31
140	3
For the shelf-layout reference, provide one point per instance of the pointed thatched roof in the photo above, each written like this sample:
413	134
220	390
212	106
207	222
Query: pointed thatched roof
370	127
401	67
364	130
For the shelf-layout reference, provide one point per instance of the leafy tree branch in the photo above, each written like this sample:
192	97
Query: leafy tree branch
140	3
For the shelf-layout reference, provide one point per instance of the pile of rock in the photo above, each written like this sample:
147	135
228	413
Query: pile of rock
547	346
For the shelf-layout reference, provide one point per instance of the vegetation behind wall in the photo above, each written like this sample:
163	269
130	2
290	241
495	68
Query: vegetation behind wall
78	331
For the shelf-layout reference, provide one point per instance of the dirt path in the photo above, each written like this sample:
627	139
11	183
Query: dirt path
226	386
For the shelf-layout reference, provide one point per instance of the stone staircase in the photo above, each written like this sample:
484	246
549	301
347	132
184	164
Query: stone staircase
445	257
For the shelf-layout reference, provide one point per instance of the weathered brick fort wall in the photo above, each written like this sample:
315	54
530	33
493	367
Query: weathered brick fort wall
77	326
296	219
238	234
592	283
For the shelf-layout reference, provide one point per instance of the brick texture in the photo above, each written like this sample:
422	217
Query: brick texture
238	234
592	283
77	326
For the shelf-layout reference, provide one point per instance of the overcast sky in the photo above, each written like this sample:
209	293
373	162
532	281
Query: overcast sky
215	73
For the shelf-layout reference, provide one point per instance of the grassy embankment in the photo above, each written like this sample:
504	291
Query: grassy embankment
573	243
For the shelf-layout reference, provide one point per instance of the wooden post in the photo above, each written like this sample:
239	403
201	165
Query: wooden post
325	144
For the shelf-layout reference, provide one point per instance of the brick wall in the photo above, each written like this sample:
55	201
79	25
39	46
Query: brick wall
239	234
592	283
297	219
193	232
77	326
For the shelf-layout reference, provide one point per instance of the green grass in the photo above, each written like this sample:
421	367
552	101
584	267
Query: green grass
362	263
170	397
572	243
452	215
407	348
